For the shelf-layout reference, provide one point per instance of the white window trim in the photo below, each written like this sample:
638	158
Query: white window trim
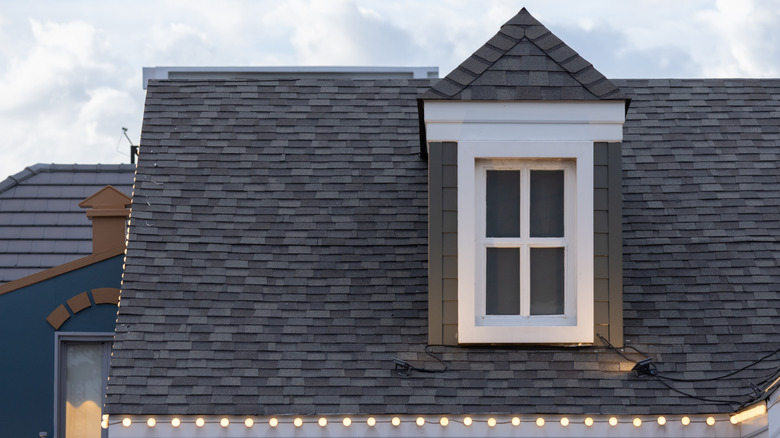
575	328
60	338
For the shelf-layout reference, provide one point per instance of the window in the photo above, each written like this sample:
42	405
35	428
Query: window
525	236
82	373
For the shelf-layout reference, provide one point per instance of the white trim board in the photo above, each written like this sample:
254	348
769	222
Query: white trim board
538	121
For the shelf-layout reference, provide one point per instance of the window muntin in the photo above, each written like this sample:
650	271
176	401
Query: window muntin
522	252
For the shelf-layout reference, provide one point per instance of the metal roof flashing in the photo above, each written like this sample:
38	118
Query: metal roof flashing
166	73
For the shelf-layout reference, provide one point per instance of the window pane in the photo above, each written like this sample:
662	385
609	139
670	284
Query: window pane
546	203
503	203
503	281
547	277
83	389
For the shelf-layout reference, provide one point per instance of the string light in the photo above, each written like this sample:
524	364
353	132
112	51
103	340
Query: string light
443	421
104	421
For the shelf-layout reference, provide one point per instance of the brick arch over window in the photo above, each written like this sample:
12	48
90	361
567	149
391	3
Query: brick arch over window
81	301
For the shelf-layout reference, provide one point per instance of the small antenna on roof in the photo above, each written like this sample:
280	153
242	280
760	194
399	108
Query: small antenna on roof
133	148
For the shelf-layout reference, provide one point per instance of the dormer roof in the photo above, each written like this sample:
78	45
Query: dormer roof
524	61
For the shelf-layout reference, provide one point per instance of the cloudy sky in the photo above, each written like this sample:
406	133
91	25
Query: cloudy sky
70	71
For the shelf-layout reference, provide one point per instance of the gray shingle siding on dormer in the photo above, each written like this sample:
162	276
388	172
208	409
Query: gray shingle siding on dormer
443	242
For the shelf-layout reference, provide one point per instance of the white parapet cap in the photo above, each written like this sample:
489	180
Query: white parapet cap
163	73
459	425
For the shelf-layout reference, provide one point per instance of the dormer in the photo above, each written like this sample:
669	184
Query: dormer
523	145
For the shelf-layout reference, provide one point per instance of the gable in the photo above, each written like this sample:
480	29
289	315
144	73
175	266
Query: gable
524	61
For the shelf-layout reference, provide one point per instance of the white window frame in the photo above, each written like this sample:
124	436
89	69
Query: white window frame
576	325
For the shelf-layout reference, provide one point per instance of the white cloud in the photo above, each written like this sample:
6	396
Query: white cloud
59	56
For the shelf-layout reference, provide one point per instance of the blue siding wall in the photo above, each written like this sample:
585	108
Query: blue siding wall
27	343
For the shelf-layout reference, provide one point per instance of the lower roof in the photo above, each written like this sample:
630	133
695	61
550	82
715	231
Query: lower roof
41	223
278	247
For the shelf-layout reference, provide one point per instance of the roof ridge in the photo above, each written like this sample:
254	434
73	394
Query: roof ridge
27	172
32	170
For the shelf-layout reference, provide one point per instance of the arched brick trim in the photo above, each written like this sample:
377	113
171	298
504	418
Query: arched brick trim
79	302
106	295
58	317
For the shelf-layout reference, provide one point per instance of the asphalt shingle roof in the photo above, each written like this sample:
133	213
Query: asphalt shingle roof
277	257
524	61
41	224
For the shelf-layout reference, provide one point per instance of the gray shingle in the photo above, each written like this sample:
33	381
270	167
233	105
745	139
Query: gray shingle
298	275
522	44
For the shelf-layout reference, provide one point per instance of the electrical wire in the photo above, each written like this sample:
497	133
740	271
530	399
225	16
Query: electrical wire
651	370
404	368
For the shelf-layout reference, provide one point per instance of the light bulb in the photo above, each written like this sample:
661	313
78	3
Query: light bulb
371	421
661	420
126	422
540	421
613	421
322	422
515	421
175	422
637	422
685	421
346	421
200	422
249	422
492	422
273	422
710	421
395	421
564	421
444	421
589	422
151	422
298	422
224	422
467	421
